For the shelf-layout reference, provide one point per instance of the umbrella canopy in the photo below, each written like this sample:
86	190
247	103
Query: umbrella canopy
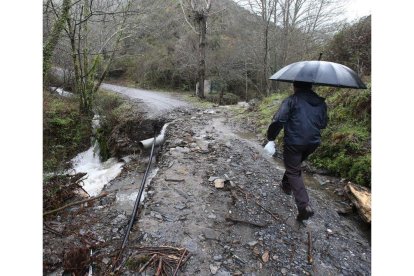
320	73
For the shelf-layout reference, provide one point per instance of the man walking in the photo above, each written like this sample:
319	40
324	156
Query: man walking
302	116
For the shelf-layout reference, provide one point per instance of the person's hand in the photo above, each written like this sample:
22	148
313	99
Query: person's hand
270	148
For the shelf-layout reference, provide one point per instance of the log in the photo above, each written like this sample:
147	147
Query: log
361	198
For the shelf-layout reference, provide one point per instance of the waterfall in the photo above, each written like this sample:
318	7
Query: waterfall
98	173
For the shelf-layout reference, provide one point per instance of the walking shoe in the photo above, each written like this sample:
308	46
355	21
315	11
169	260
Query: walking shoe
285	189
305	213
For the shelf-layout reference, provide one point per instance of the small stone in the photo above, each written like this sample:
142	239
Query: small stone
284	271
212	216
212	178
210	234
249	173
252	243
106	260
156	215
329	231
219	183
256	251
180	206
223	272
275	257
213	269
265	256
218	258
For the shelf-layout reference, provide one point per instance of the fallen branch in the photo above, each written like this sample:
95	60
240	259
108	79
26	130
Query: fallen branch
50	229
310	258
174	180
166	260
147	263
245	222
267	211
179	263
75	203
361	198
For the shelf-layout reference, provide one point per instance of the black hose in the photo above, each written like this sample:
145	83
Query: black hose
134	212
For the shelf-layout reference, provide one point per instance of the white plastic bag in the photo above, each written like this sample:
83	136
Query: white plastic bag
270	148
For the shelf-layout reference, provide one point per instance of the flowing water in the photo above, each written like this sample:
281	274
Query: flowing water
98	173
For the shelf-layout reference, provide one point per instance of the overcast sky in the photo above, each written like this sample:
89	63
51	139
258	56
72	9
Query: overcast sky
358	8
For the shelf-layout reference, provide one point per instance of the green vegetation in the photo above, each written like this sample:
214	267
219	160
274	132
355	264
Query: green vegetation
65	131
346	143
113	110
228	98
345	150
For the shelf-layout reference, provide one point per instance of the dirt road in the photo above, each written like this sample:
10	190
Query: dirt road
248	227
157	103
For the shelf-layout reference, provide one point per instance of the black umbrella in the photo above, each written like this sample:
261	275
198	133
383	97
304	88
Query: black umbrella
320	73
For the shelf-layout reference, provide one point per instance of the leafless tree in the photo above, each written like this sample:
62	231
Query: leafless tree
198	12
95	30
53	38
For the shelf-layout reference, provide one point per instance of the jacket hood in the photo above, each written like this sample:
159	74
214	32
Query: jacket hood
310	97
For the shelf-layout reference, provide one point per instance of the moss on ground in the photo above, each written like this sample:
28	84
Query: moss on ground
113	110
65	131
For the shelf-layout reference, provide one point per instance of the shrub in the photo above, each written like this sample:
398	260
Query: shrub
65	131
228	98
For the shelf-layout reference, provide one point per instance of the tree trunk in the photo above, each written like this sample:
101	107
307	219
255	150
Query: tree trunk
202	54
266	59
53	39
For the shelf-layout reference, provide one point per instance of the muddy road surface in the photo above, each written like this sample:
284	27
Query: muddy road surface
215	193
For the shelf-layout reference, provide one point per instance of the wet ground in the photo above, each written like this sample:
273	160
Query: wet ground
247	227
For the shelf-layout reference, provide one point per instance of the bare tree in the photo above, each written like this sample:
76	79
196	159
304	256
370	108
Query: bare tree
304	23
53	37
198	11
92	55
266	10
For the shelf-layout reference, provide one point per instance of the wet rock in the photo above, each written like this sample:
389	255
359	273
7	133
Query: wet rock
180	206
218	258
223	272
156	215
191	245
252	243
210	234
214	269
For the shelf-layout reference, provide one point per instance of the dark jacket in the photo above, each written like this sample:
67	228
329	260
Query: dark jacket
302	115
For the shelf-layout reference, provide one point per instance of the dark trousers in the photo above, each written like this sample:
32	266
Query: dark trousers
293	155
